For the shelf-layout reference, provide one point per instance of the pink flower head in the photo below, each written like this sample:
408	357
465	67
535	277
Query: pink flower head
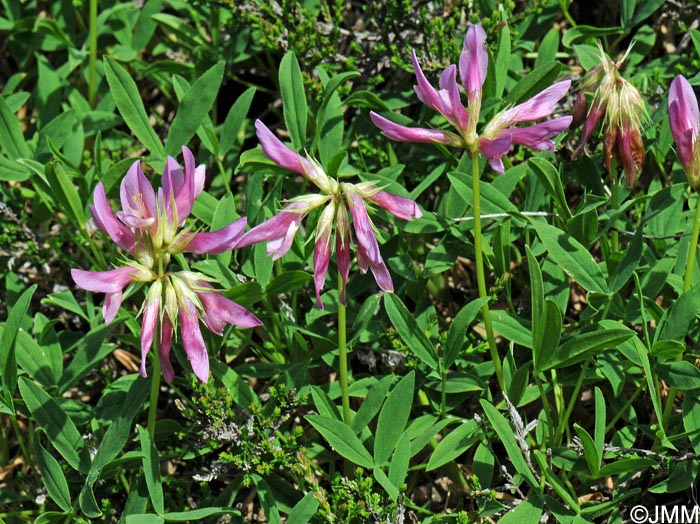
151	227
684	118
280	230
501	133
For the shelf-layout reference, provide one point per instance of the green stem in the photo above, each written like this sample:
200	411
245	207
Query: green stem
687	284
564	421
547	410
155	389
92	65
343	355
480	275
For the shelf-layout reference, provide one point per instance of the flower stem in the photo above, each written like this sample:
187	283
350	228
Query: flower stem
343	355
480	276
687	284
155	389
92	64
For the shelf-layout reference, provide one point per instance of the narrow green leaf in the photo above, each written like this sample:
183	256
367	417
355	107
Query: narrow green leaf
646	9
128	100
304	510
456	335
11	137
267	500
628	264
681	375
144	518
198	514
580	346
502	61
91	351
342	439
546	335
574	259
234	121
505	435
549	177
549	46
398	467
537	80
392	418
528	511
600	419
293	99
151	470
384	481
62	433
8	361
145	25
52	474
453	445
676	321
589	450
371	404
194	106
66	193
557	484
409	331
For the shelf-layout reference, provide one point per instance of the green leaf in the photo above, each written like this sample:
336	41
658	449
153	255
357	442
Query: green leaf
589	450
52	475
539	79
553	479
267	500
92	350
574	259
66	193
194	106
627	466
371	404
584	32
198	514
56	424
288	281
128	100
457	333
145	25
680	375
505	435
628	264
144	518
409	331
600	419
342	439
234	121
398	468
626	11
676	321
11	137
304	510
549	46
151	470
392	418
35	359
293	99
646	9
549	177
8	362
453	445
502	61
528	511
546	335
384	481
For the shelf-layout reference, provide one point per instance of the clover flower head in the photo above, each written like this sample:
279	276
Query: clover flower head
501	132
151	228
333	201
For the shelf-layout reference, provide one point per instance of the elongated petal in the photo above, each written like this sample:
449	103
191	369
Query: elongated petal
495	150
272	228
474	60
379	269
401	133
426	92
219	311
107	222
197	174
110	281
164	346
538	136
112	303
278	247
342	247
594	115
398	206
322	250
149	322
685	114
539	106
450	99
192	339
362	225
138	198
215	242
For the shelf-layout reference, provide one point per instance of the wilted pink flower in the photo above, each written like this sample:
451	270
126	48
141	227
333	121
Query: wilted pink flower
151	227
684	118
500	133
280	230
622	105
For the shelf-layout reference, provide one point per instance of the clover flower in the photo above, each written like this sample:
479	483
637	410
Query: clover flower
501	132
337	197
624	110
684	118
151	228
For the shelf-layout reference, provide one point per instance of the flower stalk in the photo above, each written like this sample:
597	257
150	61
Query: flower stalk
343	355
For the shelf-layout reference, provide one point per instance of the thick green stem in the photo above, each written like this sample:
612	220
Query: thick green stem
343	355
480	275
92	65
155	389
687	284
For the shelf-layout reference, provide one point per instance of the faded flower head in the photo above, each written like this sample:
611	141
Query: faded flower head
335	199
501	132
151	228
624	110
684	118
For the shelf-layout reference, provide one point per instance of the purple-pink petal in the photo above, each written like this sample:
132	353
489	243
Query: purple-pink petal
379	269
192	339
219	311
538	136
539	106
107	222
217	242
450	98
110	281
685	114
399	206
494	150
366	239
164	346
474	60
342	247
279	153
401	133
425	91
149	324
138	198
322	250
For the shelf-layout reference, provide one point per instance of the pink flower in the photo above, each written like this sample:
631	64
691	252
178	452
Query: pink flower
684	118
498	135
280	230
151	227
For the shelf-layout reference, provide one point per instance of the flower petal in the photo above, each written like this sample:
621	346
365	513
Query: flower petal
539	106
110	308
219	311
496	149
474	60
685	114
342	247
164	346
362	225
398	206
107	222
192	339
110	281
538	136
215	242
322	249
426	92
138	198
149	322
451	101
401	133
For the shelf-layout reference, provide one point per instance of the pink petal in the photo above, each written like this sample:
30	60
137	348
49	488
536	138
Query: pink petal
219	311
398	206
164	346
192	340
107	221
539	106
538	136
149	323
450	98
111	281
426	92
379	269
401	133
495	149
474	60
685	114
342	247
595	113
322	250
138	198
216	242
197	174
362	225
